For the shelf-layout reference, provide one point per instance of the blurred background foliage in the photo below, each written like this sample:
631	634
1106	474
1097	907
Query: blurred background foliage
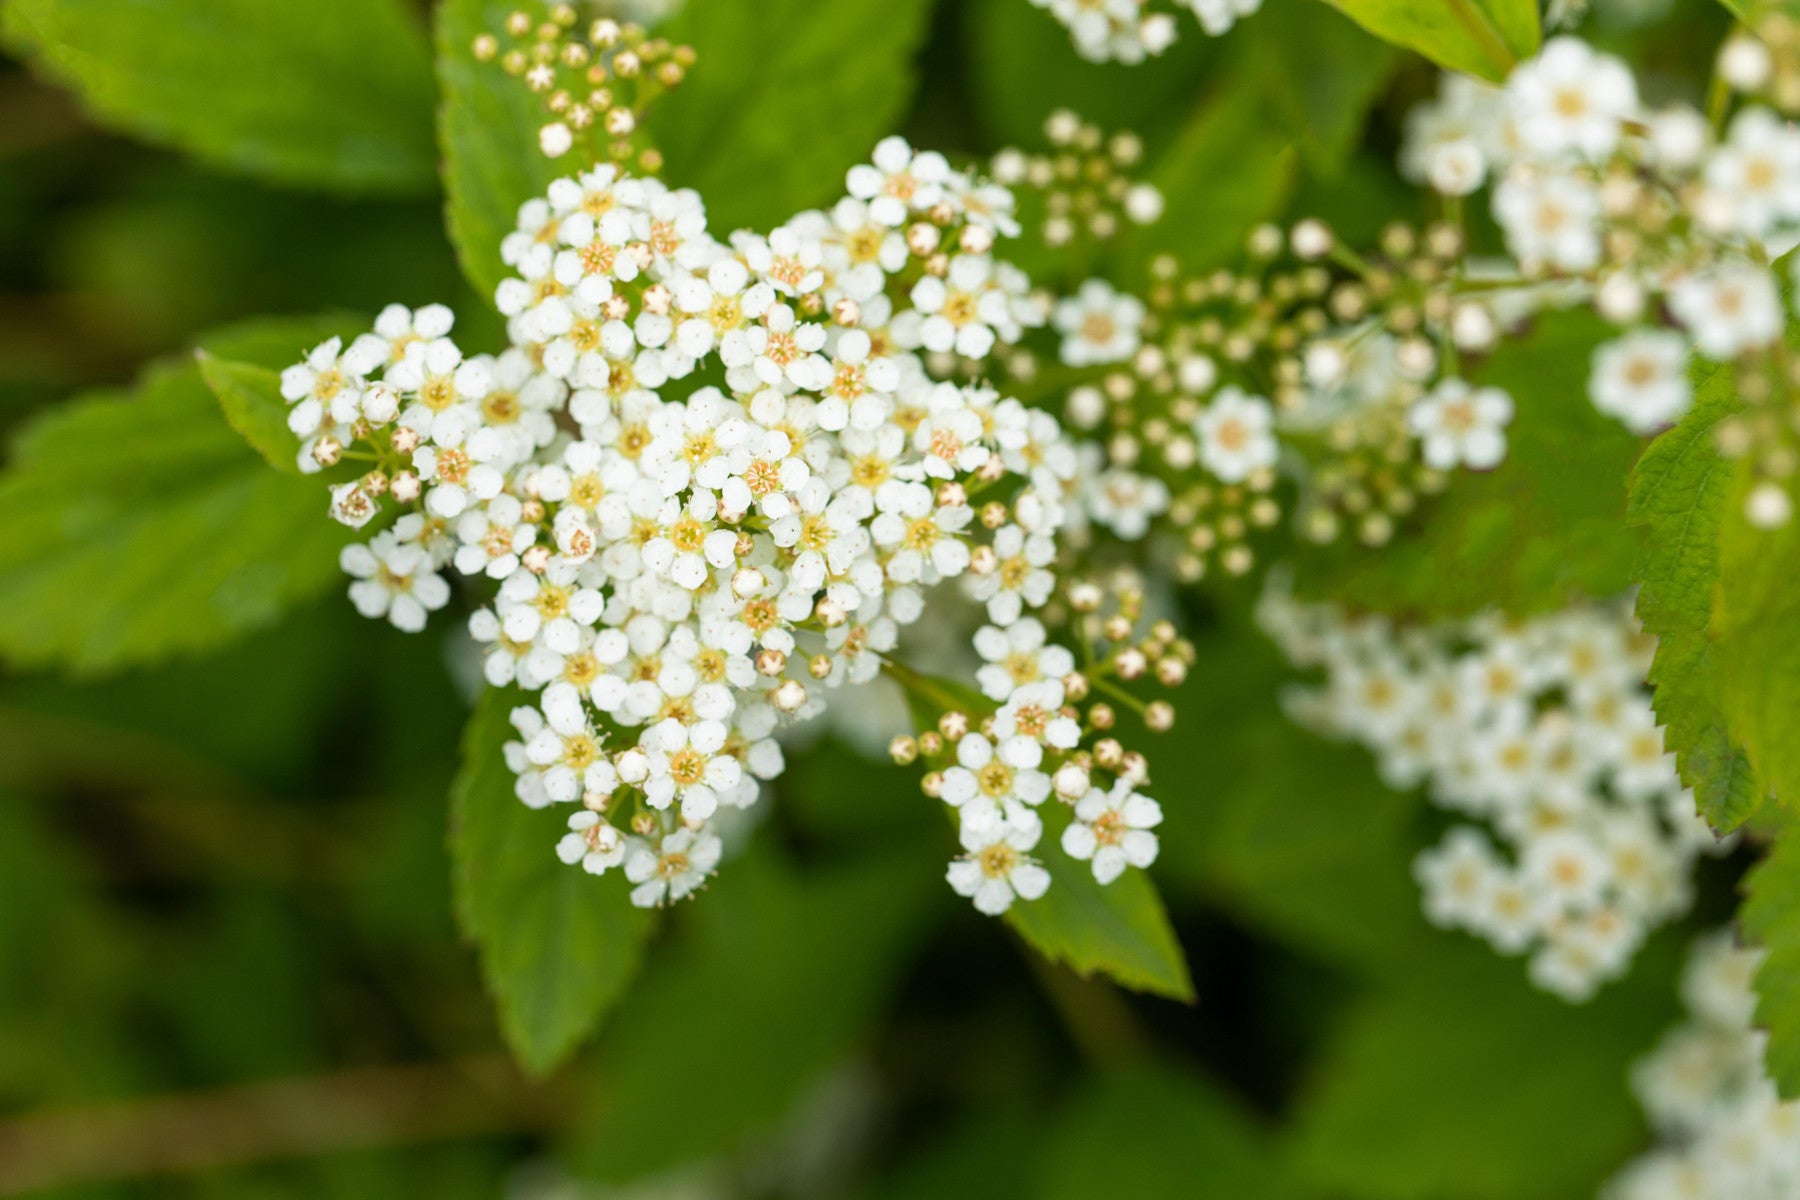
229	965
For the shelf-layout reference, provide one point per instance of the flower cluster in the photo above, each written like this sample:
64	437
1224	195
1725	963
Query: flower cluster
1129	31
1542	730
595	88
1042	728
1348	372
1310	361
1084	187
1664	220
709	482
1725	1130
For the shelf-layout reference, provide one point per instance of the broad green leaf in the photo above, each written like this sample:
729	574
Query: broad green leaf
1480	37
773	977
558	946
141	527
1544	528
785	96
328	94
1679	494
1154	1133
488	126
243	368
1756	632
1458	1081
1317	74
250	397
1771	915
1120	930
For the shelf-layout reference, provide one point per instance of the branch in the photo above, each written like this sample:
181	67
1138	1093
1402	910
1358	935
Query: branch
359	1108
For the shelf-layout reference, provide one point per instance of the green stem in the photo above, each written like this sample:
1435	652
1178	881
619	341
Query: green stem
923	686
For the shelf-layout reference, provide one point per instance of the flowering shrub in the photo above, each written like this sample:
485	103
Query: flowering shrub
1243	495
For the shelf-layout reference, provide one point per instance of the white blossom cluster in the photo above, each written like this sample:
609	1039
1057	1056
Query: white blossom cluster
1668	225
708	482
1724	1130
1130	31
998	772
1581	838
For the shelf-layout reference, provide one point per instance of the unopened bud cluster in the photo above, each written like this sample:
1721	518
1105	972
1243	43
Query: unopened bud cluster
1307	361
596	81
1085	187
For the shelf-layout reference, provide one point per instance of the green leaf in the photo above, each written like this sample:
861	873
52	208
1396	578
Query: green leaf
1756	642
1460	1080
1317	76
1543	529
785	96
1292	834
1022	65
1771	915
1679	494
772	979
243	368
1152	1132
141	527
329	94
558	946
1480	37
1120	930
488	126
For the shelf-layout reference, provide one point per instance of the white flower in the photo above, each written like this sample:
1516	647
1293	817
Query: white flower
1641	379
1235	435
1112	829
1017	656
1125	501
1550	219
566	748
989	786
1099	324
394	579
962	311
1571	100
673	869
900	182
1728	309
686	763
996	868
1021	576
1450	140
597	846
1755	176
1460	424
